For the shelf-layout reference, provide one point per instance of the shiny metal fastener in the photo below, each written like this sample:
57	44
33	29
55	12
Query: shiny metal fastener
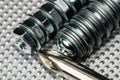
89	28
42	25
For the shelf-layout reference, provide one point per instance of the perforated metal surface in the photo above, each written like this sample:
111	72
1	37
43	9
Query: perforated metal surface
106	60
14	65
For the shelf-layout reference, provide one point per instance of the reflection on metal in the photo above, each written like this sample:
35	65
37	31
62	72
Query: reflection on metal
67	68
44	23
87	29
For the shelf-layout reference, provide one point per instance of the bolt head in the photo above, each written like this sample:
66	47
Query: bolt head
24	41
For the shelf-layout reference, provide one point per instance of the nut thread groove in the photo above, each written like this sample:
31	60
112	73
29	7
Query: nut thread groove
47	20
87	29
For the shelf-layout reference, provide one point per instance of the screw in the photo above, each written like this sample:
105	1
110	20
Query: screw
87	29
45	22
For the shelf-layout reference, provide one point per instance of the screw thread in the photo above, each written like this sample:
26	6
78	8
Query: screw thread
87	29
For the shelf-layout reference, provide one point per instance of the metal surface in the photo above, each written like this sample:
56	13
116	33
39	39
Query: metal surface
42	25
65	67
89	28
15	65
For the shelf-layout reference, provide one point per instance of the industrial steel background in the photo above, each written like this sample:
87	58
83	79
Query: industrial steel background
14	65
